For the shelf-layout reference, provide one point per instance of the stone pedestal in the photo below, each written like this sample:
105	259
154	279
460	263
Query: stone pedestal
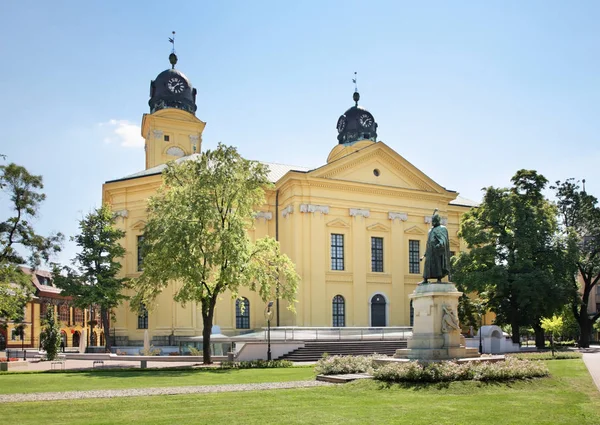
436	331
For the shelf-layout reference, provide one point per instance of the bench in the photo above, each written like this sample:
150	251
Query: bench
57	364
99	363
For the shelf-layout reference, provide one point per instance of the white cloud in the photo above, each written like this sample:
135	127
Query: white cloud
122	132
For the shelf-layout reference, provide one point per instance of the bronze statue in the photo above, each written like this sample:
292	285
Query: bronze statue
437	252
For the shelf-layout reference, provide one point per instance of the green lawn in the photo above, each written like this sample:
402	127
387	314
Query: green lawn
11	382
568	397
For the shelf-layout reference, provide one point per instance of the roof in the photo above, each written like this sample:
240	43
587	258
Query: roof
42	280
276	171
464	202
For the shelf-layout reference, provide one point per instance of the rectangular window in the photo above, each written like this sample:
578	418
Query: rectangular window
414	265
64	315
78	316
143	318
140	258
377	254
167	138
337	252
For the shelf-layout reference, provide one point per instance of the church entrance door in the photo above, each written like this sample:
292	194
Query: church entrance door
378	311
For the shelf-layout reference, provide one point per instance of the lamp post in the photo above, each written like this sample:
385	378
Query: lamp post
268	315
480	329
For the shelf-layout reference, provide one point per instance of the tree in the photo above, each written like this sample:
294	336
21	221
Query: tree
580	221
553	326
17	235
94	281
50	335
196	236
515	255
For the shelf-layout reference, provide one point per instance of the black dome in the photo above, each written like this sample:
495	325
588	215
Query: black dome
356	124
172	89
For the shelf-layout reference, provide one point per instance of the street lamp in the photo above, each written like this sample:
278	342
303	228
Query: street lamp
480	329
268	315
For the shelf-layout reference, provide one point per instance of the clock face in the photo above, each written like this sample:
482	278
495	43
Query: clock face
365	120
175	85
341	124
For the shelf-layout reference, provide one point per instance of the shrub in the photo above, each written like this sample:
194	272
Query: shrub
151	351
558	355
50	335
194	351
337	365
256	364
510	369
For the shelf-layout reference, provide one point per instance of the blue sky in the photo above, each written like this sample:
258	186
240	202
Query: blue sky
489	87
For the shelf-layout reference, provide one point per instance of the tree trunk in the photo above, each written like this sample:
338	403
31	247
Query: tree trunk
516	336
207	319
540	340
104	317
585	327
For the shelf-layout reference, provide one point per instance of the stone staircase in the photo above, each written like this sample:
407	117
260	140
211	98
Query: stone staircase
313	351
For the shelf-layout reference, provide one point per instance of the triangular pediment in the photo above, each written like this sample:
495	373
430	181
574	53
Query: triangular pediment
378	164
338	222
415	230
378	227
139	225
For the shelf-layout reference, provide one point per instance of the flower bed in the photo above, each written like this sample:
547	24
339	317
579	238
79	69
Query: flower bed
445	371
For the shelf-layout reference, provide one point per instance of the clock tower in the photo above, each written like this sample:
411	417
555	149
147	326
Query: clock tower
171	129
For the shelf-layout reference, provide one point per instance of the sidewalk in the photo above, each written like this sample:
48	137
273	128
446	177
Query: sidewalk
591	358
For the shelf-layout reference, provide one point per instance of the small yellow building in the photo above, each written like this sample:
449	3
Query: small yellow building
73	321
355	227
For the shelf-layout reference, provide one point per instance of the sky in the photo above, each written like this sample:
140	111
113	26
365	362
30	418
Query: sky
468	92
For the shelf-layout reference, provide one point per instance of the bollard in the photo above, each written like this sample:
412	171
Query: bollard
25	355
7	355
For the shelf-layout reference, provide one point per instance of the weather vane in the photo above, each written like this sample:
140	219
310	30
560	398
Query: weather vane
172	41
354	81
355	96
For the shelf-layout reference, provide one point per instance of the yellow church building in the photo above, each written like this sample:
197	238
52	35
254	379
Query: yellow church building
355	227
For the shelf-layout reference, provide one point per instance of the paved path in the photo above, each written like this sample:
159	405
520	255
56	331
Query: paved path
137	392
591	358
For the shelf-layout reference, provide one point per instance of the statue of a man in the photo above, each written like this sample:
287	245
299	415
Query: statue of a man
437	252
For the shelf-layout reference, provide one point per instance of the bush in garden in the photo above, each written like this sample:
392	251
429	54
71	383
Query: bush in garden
559	355
510	369
337	365
256	364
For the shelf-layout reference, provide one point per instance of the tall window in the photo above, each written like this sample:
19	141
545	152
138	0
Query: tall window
337	252
63	314
242	313
140	258
43	310
78	316
414	265
339	311
143	318
377	254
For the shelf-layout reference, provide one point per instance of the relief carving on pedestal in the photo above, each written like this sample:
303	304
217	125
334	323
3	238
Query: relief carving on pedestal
449	320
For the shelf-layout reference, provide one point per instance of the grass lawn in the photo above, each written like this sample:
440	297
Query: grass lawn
12	382
568	397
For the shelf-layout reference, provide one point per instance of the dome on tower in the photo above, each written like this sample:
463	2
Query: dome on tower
172	89
356	124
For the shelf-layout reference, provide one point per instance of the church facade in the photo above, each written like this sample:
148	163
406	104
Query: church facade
355	227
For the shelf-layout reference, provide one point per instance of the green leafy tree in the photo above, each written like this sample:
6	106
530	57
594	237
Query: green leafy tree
196	235
580	220
17	236
94	280
515	255
554	327
50	335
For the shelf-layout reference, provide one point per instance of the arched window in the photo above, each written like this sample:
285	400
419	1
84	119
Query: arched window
242	313
339	311
412	314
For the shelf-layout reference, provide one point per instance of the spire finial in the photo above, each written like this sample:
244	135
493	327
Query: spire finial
356	95
172	56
